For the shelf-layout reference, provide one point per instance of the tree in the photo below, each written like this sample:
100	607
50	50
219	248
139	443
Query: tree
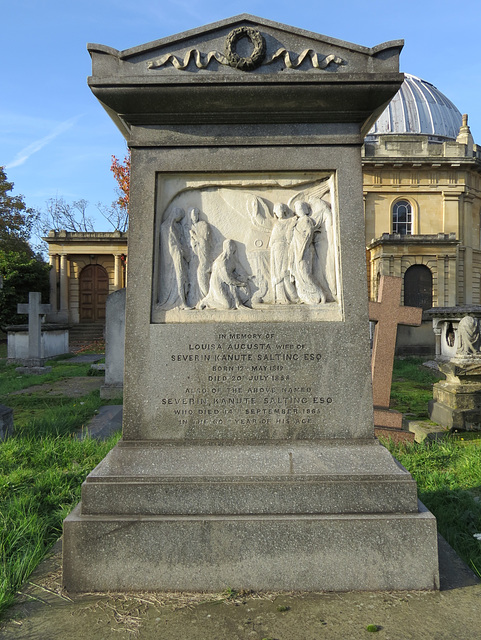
62	215
118	213
16	221
21	270
20	273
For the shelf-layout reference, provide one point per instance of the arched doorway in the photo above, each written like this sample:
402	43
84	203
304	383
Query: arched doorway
94	289
418	287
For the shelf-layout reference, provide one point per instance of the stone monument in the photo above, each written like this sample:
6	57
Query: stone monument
457	400
248	457
31	346
388	313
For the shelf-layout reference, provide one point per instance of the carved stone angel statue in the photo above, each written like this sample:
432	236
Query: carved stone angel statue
229	285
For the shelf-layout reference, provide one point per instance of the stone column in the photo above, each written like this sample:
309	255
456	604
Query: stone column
64	287
53	282
117	272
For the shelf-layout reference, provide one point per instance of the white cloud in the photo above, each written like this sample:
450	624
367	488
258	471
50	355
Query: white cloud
25	153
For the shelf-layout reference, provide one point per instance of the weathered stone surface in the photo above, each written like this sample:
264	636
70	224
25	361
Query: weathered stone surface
6	422
456	401
248	456
309	552
114	345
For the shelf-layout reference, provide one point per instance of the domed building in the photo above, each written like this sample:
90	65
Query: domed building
422	194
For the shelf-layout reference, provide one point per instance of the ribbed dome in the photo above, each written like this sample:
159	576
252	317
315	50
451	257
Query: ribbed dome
418	107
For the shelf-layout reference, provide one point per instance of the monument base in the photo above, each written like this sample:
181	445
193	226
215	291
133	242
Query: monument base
286	516
456	401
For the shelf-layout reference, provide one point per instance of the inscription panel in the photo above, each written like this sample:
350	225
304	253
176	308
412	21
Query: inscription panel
246	382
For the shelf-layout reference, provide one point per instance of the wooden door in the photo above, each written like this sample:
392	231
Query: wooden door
94	289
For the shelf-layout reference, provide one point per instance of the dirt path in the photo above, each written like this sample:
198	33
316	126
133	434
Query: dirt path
454	613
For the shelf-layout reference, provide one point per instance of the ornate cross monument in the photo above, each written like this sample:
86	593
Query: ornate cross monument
248	456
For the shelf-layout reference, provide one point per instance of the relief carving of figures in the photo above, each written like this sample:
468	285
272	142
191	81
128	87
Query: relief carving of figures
232	246
229	283
469	337
301	259
174	262
281	237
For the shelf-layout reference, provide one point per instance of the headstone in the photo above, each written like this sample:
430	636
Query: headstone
387	313
248	457
456	401
6	422
114	345
35	311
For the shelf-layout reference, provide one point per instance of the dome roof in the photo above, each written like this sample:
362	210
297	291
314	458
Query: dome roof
418	107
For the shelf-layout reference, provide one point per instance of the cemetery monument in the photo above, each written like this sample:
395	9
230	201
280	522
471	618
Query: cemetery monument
248	458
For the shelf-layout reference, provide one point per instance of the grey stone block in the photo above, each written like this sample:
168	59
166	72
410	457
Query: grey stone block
6	422
277	552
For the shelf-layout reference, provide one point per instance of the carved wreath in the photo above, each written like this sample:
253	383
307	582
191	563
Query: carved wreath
255	59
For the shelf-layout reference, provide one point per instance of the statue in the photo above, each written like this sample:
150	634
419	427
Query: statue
469	338
229	285
281	237
174	264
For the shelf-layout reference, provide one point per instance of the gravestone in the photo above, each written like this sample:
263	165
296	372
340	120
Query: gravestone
248	458
6	422
33	347
114	345
387	313
456	402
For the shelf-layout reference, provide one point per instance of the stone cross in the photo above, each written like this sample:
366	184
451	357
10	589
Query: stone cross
387	313
35	310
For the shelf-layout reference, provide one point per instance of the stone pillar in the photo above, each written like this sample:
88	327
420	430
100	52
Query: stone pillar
439	300
53	282
117	272
64	287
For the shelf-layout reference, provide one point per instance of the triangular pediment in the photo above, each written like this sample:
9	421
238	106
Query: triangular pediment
245	44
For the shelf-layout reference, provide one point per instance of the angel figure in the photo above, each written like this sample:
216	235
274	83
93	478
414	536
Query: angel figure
280	240
301	255
199	266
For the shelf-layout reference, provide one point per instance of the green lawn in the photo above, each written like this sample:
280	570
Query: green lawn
42	468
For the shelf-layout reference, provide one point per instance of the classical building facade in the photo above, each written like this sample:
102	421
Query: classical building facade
86	267
422	194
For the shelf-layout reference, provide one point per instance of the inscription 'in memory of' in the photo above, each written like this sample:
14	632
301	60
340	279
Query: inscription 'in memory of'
252	377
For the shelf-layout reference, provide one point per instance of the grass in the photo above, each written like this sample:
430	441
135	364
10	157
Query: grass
42	467
448	476
40	480
412	387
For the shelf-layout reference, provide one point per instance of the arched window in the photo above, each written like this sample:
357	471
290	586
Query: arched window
402	218
418	287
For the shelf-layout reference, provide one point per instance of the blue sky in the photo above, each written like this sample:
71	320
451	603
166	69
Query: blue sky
56	139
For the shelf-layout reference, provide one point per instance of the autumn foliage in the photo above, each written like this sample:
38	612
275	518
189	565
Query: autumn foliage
121	171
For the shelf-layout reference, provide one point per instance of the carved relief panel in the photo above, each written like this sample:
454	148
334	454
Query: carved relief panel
253	247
